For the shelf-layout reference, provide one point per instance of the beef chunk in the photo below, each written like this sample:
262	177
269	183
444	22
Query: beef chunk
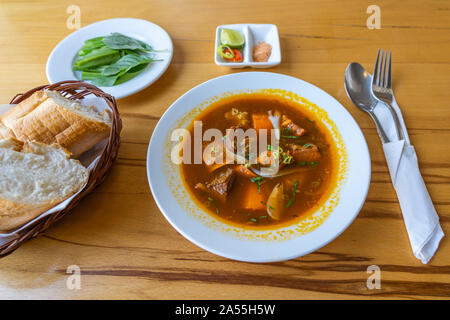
287	123
220	186
308	152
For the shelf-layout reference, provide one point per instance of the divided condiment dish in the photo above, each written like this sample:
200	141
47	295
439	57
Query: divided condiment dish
253	34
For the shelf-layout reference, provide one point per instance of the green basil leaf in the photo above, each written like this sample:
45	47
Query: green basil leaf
126	63
91	44
96	77
97	57
133	72
104	81
119	41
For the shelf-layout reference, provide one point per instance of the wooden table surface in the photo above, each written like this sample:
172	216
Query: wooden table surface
118	237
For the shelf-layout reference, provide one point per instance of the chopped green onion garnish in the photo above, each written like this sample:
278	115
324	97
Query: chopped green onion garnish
259	181
293	194
287	131
288	160
267	205
211	200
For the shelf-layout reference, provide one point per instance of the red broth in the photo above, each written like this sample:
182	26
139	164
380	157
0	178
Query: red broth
246	202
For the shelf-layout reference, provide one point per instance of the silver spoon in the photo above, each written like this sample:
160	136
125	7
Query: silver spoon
358	87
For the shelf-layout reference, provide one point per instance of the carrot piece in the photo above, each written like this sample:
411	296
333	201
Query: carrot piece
261	121
244	171
252	199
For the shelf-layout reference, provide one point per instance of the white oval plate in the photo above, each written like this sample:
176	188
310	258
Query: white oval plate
193	223
60	61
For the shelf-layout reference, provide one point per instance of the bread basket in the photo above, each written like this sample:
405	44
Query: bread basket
72	90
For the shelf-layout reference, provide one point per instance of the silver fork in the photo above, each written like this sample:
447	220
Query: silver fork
382	88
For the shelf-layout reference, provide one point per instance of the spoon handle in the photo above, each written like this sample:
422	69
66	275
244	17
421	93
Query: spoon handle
381	133
397	124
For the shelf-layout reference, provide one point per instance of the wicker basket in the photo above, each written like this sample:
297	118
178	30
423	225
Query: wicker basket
73	90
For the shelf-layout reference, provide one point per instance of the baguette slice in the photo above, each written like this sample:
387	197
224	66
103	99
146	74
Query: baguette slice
34	177
48	117
12	144
5	132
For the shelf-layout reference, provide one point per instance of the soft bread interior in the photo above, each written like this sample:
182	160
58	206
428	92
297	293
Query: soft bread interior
39	174
75	106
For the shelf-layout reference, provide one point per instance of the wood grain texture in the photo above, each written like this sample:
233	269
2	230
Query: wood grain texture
125	247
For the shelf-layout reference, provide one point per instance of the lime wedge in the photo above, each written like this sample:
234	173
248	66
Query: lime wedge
231	38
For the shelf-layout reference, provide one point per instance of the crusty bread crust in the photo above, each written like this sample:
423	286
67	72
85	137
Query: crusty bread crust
14	214
40	118
23	108
11	143
6	132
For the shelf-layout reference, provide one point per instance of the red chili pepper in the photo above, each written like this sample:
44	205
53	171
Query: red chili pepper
230	54
237	56
226	52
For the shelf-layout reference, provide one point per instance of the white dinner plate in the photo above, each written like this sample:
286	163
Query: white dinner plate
280	243
60	61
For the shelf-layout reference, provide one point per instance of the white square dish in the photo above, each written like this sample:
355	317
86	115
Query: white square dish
253	34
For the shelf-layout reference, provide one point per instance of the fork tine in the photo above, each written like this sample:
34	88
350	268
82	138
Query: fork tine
382	68
375	70
388	81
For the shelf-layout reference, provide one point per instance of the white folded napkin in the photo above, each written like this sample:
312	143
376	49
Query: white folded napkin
419	214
